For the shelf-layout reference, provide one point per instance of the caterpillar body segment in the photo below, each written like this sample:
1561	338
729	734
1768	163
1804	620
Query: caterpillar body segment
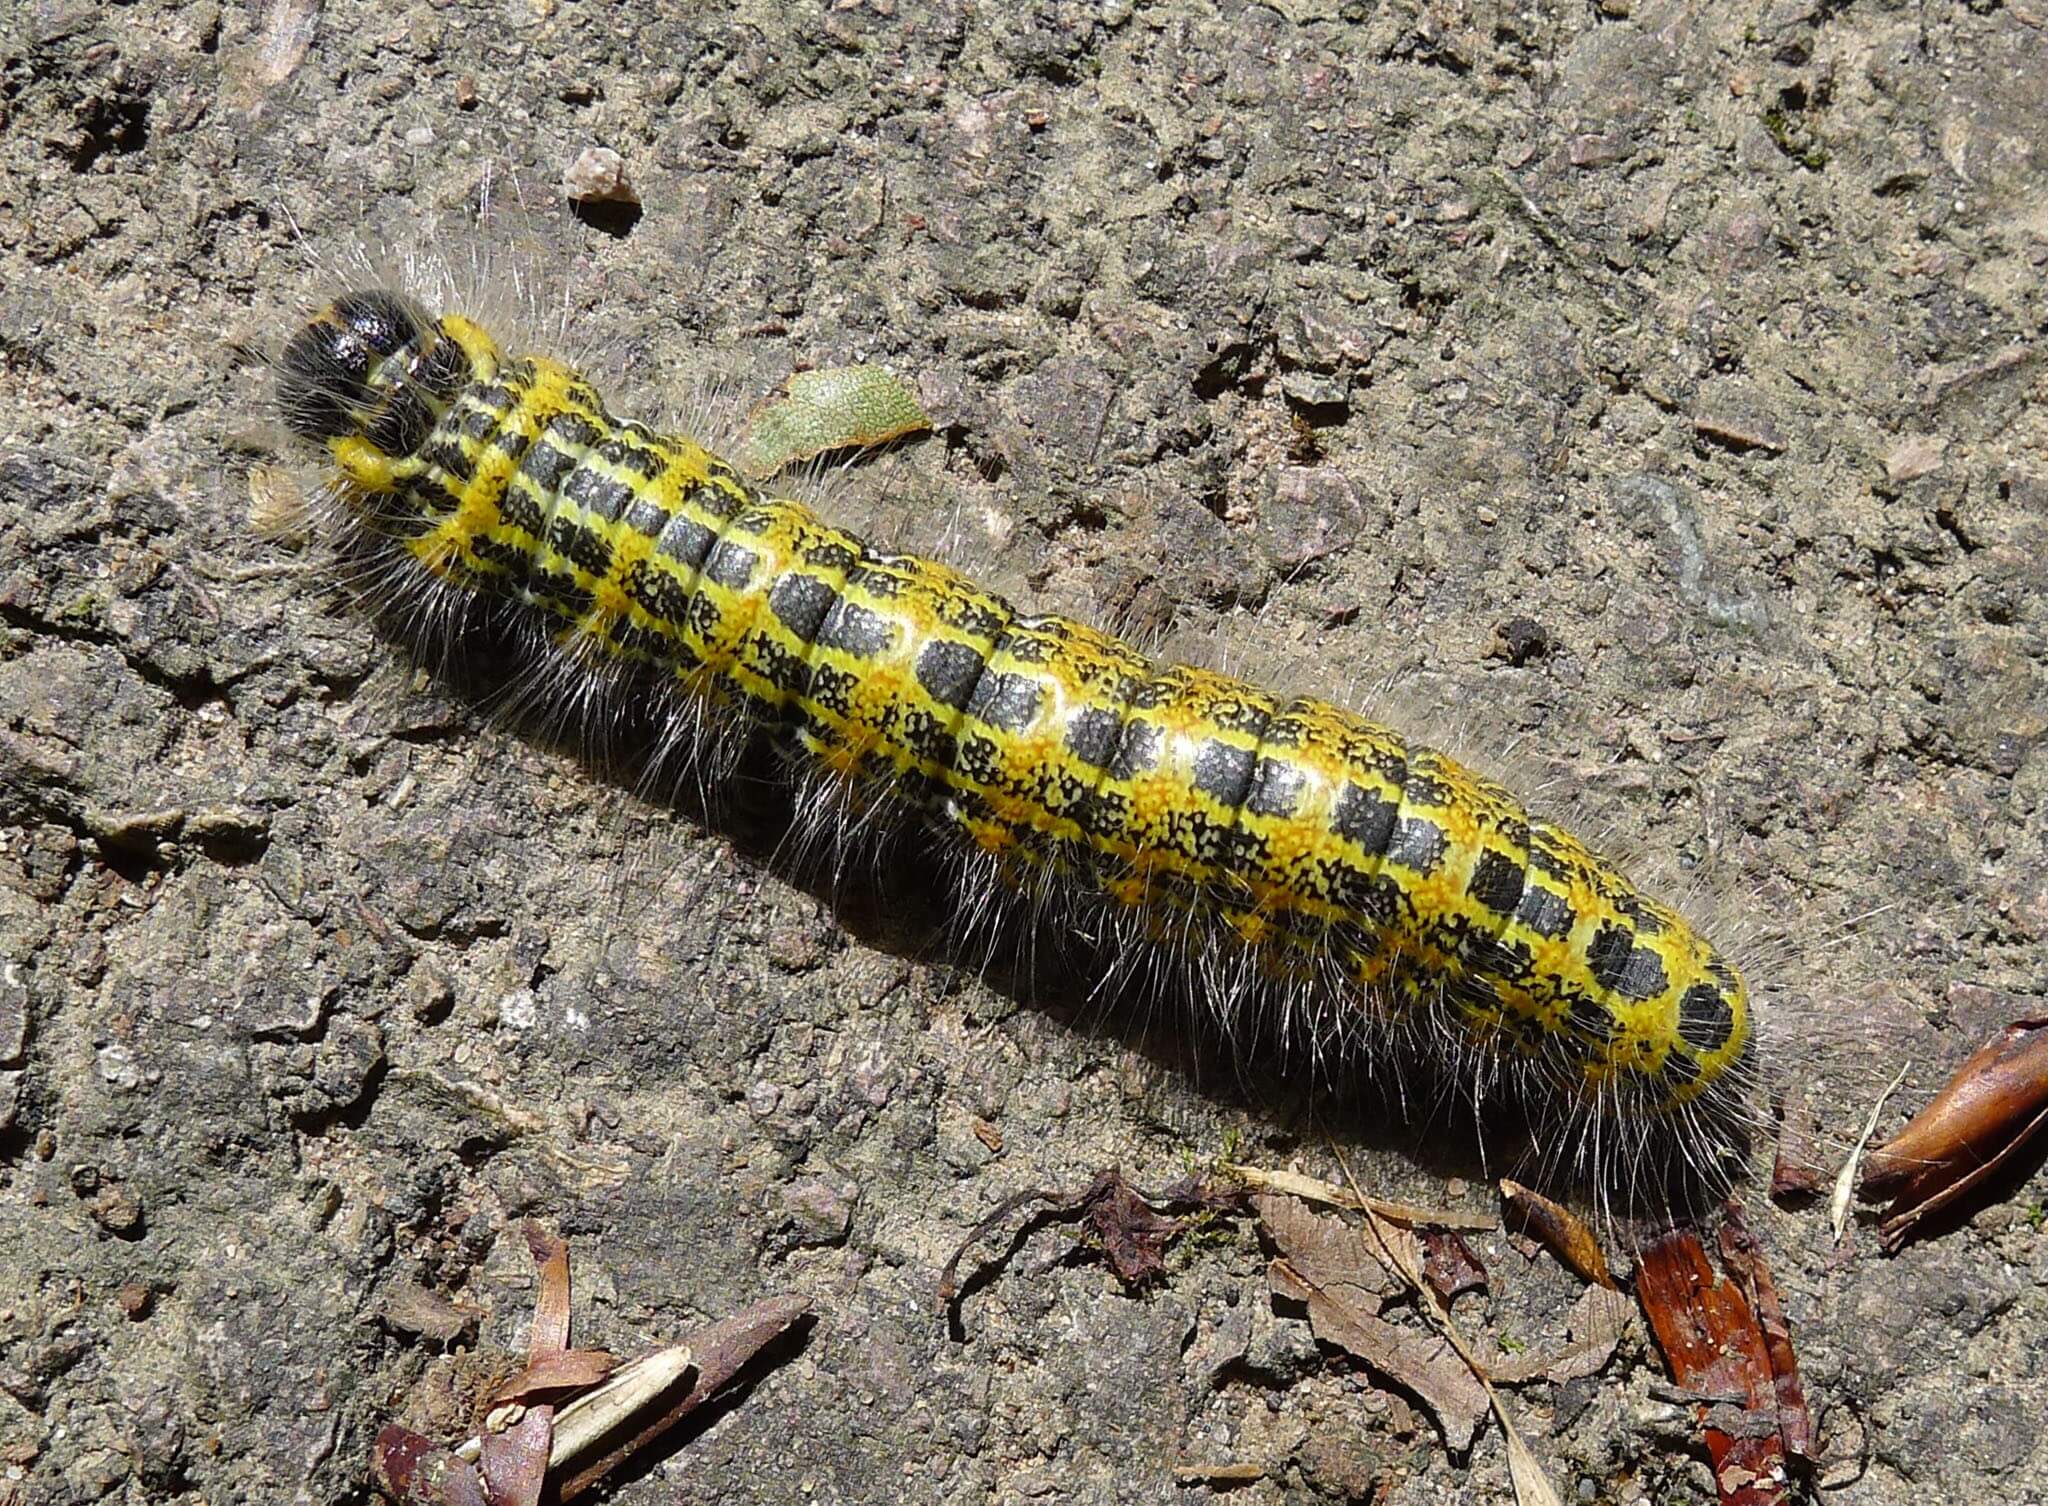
1294	843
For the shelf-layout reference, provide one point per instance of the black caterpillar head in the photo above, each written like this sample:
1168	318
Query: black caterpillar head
372	364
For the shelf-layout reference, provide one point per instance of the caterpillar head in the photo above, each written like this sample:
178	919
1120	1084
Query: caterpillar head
373	371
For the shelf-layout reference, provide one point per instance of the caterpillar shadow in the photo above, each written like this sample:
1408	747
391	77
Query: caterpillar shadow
887	883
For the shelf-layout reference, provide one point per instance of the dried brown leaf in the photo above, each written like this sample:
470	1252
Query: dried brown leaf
1133	1236
1560	1229
1420	1362
410	1308
1132	1227
1450	1265
564	1370
1716	1350
719	1352
1743	1258
1328	1252
415	1471
513	1460
551	1302
1738	433
509	1463
1525	1472
514	1463
1598	1320
1996	1102
1316	1190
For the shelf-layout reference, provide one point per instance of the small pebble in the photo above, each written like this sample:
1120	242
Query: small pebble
598	175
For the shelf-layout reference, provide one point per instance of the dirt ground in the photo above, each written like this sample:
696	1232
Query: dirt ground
1651	391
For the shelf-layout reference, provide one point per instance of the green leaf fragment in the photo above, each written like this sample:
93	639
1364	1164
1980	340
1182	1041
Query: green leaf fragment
842	407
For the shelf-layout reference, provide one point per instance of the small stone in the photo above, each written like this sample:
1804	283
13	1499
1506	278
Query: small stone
428	994
598	175
822	1213
1328	341
411	1308
116	1210
1738	433
1594	151
1518	640
134	834
230	828
13	1015
1312	512
1915	456
118	1067
134	1300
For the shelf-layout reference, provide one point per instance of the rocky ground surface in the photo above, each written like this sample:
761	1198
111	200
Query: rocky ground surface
1649	390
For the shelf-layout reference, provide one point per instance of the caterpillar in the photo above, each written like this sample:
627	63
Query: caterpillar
1272	846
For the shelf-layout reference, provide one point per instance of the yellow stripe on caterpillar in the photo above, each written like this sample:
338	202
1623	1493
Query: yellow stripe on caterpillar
1293	841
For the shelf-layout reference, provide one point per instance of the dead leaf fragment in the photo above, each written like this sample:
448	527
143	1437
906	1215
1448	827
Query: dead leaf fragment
1328	1252
551	1307
1738	433
1995	1103
716	1354
1525	1472
1316	1190
514	1463
1562	1231
1345	1276
1743	1258
527	1445
1219	1474
411	1308
1420	1362
415	1471
1132	1228
564	1370
1133	1236
1717	1351
1598	1320
1450	1265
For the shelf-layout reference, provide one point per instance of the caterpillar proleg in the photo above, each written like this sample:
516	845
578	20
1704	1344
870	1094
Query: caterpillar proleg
1282	850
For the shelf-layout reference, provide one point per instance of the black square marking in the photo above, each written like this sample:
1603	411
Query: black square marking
948	671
